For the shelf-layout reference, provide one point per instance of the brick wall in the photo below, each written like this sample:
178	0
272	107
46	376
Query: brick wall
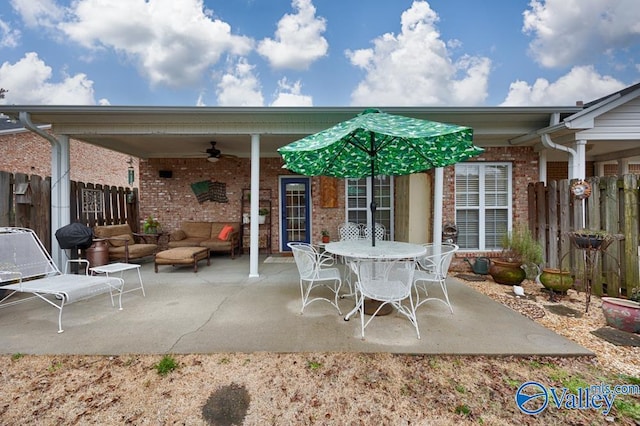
25	152
172	201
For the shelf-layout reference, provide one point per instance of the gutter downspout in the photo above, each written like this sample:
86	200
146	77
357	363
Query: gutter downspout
60	184
574	169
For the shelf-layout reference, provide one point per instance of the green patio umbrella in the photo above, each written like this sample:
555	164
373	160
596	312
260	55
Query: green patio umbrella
375	143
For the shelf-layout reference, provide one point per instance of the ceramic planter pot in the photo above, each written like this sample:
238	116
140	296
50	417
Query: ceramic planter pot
556	280
508	273
622	314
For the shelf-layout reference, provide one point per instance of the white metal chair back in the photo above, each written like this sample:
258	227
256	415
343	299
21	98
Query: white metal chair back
434	268
22	256
313	271
380	231
349	231
389	283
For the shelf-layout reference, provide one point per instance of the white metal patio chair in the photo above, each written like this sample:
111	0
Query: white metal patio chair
380	231
349	231
433	268
389	283
315	271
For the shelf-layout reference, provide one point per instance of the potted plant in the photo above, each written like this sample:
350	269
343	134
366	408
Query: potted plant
150	225
325	236
263	212
558	280
520	251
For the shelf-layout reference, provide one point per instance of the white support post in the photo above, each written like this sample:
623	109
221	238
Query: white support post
579	164
254	246
60	194
438	191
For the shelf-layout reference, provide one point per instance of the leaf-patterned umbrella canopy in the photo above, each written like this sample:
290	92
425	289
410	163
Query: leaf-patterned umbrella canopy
374	143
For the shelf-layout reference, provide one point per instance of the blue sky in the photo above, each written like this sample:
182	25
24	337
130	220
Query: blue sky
317	52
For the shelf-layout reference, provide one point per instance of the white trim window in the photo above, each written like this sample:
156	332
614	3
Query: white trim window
358	201
483	204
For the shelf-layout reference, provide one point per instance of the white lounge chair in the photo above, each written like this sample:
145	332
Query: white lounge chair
27	267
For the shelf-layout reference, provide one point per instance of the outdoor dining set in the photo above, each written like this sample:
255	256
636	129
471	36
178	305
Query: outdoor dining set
388	274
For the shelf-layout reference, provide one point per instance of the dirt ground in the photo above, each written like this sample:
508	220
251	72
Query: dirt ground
328	388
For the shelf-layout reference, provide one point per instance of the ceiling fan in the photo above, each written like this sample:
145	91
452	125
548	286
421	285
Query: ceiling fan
215	154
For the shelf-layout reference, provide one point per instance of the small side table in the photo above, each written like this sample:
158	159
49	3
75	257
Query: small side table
120	267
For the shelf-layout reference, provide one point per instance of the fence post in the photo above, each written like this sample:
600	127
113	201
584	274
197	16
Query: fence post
630	220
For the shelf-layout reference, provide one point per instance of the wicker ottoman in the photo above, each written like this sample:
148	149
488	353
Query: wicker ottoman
182	256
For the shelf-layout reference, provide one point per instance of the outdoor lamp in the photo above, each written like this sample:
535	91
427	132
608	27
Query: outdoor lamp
131	174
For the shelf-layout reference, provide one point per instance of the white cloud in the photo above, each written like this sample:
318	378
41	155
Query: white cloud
9	37
38	13
172	42
582	83
289	94
568	32
422	70
29	82
298	40
240	86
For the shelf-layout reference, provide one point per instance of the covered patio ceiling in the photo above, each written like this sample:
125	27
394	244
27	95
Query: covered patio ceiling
186	132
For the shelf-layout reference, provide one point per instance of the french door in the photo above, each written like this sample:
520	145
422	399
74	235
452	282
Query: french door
295	210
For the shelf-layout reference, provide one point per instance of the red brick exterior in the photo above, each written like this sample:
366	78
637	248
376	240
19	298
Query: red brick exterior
524	169
25	152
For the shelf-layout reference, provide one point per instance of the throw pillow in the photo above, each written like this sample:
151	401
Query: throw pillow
177	235
225	232
120	240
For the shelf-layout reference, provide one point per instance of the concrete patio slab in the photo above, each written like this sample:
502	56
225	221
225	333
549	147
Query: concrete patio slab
220	309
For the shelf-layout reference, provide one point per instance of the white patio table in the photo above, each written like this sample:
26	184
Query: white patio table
383	250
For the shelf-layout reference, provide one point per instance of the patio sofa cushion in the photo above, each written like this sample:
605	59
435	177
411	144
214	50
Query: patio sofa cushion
123	243
205	234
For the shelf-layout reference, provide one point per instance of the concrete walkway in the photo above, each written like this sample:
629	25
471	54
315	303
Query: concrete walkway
220	309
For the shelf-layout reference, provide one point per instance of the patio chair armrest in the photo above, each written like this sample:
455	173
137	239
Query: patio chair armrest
234	238
143	237
325	259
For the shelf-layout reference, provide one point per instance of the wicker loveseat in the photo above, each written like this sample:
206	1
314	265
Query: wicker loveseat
123	243
208	234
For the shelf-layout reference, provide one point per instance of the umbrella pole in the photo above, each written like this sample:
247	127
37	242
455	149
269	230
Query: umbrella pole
373	190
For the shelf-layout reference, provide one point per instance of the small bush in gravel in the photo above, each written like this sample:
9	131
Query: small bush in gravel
166	365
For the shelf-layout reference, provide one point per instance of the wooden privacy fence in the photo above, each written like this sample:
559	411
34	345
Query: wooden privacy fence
612	206
25	201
